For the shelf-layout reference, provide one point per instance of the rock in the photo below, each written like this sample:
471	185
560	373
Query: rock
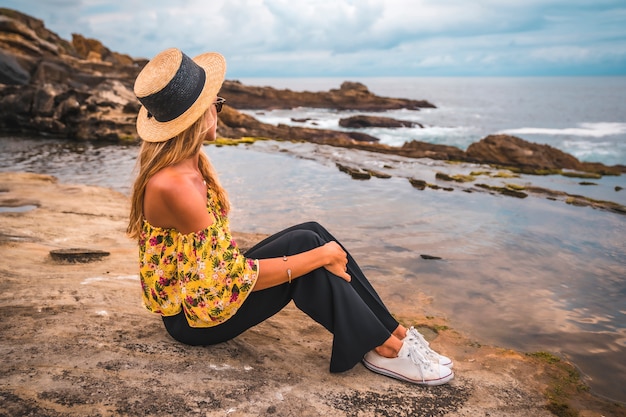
78	255
43	101
234	124
599	168
355	173
26	35
504	190
378	174
418	149
419	184
531	157
94	51
576	200
11	71
54	87
363	121
82	90
511	150
350	96
354	88
456	178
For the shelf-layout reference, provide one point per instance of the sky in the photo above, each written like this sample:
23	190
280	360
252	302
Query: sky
366	38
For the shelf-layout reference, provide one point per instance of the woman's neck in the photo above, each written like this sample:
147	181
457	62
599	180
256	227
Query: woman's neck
189	164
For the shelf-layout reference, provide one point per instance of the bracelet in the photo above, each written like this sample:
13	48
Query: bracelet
288	269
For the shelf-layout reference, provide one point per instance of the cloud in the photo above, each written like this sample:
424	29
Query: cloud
359	37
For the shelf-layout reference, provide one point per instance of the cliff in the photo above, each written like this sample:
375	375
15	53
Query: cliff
82	90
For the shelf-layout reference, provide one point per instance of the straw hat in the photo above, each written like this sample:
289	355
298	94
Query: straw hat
175	91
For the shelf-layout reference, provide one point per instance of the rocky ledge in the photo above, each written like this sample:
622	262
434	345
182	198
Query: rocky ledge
81	90
350	96
76	340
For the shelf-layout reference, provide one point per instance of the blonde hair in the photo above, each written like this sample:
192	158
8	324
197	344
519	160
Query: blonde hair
154	156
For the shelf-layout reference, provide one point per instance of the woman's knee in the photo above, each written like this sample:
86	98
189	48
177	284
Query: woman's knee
315	227
304	239
289	242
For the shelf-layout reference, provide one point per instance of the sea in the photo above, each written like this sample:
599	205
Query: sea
584	116
532	274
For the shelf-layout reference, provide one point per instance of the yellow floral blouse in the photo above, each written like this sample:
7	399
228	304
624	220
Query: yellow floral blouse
203	273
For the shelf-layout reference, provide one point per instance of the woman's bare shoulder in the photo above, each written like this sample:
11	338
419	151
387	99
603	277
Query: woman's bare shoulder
169	183
174	200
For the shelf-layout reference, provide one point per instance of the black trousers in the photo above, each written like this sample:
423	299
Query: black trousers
352	311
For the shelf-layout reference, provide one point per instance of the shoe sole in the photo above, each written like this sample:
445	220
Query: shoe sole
392	374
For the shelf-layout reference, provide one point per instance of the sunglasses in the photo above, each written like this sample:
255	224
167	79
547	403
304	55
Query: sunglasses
219	102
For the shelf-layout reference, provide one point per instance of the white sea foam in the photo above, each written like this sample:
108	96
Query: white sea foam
455	136
584	149
596	130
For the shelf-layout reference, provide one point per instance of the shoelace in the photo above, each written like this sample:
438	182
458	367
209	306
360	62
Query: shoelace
420	361
423	344
413	332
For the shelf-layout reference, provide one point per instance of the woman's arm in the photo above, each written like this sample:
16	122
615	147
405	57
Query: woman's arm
275	271
174	201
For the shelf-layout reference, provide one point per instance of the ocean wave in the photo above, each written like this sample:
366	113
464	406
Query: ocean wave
459	136
593	150
596	130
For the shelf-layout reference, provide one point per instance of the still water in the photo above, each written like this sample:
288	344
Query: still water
530	274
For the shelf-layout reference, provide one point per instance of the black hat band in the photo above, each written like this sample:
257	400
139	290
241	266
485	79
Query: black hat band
179	94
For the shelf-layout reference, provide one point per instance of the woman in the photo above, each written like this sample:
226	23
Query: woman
192	272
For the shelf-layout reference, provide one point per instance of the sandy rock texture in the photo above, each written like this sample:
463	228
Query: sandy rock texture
76	341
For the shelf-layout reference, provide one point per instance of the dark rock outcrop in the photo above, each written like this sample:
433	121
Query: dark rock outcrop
512	151
350	96
79	89
413	149
11	72
363	121
234	124
82	90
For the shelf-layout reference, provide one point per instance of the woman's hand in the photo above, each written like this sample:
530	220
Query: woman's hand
338	260
277	271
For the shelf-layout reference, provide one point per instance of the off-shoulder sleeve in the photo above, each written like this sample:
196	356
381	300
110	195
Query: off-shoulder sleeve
215	278
158	270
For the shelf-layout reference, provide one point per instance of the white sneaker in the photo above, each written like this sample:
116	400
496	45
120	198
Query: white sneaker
410	366
415	338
